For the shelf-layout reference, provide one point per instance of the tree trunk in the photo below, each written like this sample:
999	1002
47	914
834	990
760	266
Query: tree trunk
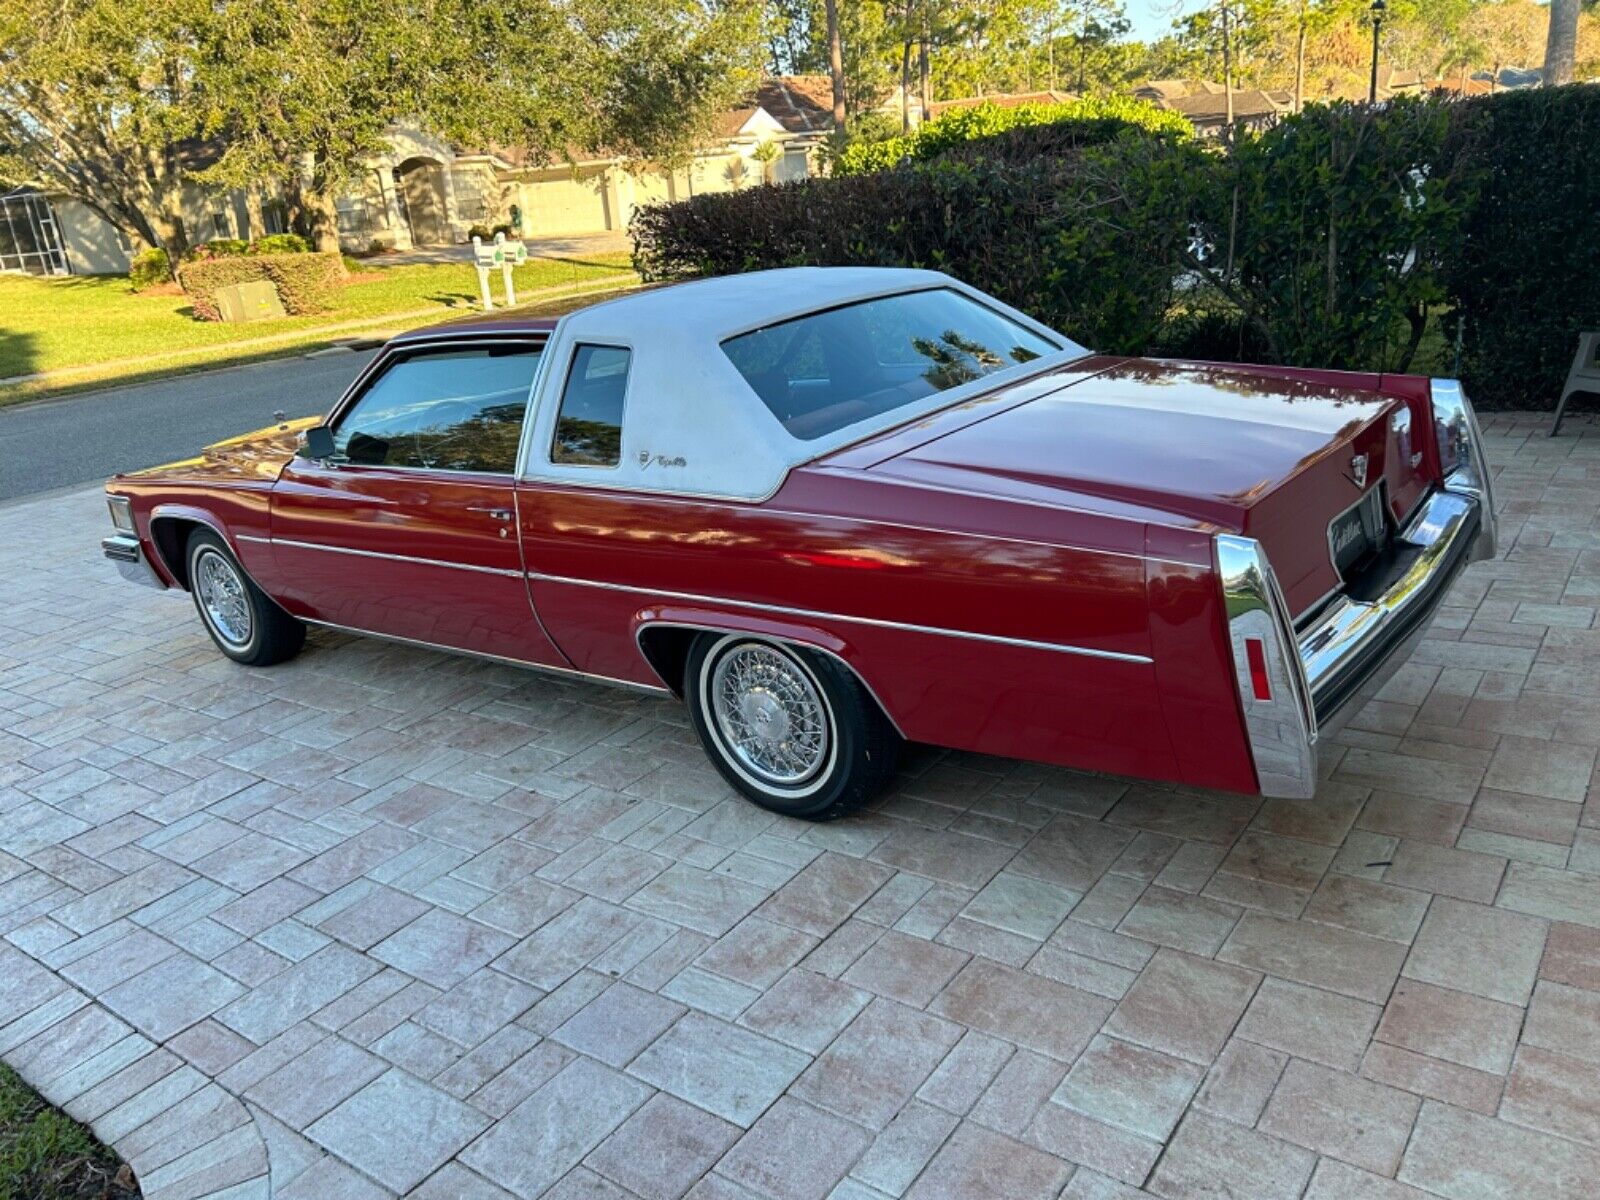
253	215
324	221
1300	61
925	75
1561	46
905	87
1227	60
171	236
836	65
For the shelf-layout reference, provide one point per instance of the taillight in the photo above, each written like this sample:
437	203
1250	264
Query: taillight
1256	652
1280	719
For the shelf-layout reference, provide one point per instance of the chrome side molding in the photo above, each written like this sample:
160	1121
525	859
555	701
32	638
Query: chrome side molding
1280	720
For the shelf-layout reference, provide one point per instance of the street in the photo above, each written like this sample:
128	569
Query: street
80	439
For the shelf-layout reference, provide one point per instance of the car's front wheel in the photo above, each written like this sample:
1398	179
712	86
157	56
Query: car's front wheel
792	729
244	622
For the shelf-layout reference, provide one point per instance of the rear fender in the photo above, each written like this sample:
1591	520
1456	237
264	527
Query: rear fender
666	659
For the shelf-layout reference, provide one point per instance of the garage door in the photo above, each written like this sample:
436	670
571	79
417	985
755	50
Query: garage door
563	205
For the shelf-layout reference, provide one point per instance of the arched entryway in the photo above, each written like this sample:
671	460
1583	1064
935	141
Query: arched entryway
419	184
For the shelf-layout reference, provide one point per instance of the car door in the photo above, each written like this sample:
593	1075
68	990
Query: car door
409	528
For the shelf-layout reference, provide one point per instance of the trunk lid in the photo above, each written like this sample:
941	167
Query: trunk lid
1225	448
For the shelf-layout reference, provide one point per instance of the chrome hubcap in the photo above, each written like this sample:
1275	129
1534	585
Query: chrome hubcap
769	714
221	593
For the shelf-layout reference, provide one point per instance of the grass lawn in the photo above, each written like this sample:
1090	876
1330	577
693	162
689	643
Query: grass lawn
48	324
46	1155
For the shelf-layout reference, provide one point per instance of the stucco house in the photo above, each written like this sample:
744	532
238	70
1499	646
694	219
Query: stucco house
423	191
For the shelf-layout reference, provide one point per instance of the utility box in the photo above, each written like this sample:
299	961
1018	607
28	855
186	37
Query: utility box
253	301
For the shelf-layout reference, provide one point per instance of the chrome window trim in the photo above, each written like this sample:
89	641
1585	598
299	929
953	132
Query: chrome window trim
538	339
1281	730
561	399
542	668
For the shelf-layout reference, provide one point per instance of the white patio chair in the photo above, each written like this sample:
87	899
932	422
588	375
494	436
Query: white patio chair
1584	376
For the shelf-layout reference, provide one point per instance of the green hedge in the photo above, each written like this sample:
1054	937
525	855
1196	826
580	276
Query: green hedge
1090	120
1024	232
1526	275
1339	237
306	283
280	243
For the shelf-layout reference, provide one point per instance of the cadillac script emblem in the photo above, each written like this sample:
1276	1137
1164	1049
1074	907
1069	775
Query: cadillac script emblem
1358	470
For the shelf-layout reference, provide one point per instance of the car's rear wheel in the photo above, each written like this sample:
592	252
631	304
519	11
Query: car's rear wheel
244	622
793	730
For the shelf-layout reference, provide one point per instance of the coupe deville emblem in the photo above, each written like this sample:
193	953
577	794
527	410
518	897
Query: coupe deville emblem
1358	469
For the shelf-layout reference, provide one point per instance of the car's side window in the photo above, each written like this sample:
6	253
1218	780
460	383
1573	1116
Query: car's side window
589	422
453	409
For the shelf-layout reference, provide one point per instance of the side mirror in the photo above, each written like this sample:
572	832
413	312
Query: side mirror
319	442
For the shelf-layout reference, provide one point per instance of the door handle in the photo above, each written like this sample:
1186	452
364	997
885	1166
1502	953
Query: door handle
499	514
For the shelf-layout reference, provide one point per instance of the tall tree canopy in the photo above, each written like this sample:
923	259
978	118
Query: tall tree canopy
110	99
97	99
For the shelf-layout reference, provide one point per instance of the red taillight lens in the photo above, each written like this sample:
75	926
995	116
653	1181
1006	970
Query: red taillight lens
1255	650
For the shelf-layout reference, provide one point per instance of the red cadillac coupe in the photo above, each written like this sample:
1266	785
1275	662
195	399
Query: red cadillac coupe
833	509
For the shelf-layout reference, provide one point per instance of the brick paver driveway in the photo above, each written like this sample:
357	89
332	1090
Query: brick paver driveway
381	921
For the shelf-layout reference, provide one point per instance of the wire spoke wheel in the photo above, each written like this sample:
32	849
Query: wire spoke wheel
770	715
222	597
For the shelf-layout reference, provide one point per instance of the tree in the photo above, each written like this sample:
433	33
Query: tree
307	90
98	99
836	67
1100	23
1561	45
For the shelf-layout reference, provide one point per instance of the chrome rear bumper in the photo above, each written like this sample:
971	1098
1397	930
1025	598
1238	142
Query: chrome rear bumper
1352	649
124	550
1295	686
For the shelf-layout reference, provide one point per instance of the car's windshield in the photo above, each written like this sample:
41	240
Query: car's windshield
824	371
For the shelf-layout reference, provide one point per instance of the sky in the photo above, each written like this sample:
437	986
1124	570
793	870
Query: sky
1152	19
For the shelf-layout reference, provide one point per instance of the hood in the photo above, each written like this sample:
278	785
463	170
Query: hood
258	455
1191	440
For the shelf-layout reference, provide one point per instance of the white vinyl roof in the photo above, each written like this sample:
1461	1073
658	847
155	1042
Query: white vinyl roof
691	424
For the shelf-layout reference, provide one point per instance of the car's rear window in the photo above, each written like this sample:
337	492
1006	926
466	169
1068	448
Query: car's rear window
826	370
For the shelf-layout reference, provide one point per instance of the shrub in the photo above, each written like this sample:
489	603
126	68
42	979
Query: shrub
280	243
1051	236
149	268
1526	271
1079	122
1331	239
481	232
1336	223
306	283
215	248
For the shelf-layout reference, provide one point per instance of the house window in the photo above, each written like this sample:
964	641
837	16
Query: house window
589	422
221	219
275	216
